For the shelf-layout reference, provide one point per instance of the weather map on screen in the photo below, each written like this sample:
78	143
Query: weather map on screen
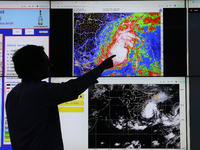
128	113
149	116
135	39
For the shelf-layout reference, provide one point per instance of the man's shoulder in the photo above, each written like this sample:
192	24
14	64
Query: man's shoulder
13	90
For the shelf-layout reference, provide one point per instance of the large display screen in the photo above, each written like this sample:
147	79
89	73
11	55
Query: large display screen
120	113
131	30
127	110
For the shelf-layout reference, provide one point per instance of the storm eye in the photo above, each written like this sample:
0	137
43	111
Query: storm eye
120	48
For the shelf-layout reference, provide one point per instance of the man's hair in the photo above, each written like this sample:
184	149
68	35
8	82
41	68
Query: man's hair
27	59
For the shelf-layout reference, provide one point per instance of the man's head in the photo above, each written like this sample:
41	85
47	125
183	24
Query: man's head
31	62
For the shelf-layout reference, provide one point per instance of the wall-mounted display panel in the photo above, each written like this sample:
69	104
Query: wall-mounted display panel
119	113
139	33
22	23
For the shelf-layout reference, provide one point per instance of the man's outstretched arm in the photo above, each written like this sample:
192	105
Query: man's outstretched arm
90	78
62	92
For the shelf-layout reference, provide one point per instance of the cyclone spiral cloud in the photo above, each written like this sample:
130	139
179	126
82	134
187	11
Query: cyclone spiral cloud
134	116
135	39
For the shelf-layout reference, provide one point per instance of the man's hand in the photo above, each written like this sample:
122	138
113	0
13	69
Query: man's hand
106	64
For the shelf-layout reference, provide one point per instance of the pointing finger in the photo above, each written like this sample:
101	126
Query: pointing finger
112	56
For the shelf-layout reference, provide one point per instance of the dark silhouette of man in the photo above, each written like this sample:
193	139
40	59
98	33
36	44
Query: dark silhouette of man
31	106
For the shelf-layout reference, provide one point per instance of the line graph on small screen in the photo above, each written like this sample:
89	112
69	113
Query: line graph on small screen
135	39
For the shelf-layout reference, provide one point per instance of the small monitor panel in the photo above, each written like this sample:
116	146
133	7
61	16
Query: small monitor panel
193	36
22	23
9	84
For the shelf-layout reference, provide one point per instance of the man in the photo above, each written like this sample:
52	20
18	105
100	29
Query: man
31	106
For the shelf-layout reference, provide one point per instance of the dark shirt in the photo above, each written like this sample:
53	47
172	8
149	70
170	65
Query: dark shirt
32	111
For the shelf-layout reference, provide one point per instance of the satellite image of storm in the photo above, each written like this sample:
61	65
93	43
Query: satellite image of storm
135	39
134	116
